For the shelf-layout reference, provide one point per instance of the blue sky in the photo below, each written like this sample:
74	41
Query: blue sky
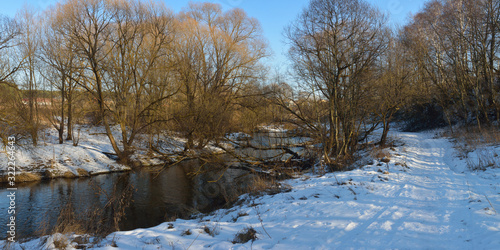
273	15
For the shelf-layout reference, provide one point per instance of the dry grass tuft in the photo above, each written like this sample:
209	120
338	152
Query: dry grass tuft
60	241
212	231
186	232
378	153
240	214
261	185
82	172
68	222
69	175
245	235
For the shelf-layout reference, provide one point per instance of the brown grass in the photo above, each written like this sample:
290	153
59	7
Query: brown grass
186	232
61	241
379	153
69	175
23	177
261	185
82	172
68	222
50	174
27	177
471	140
212	230
240	214
245	235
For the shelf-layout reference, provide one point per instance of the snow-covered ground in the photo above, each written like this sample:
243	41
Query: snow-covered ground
53	160
424	198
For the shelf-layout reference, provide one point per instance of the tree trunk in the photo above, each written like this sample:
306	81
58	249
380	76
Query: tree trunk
61	124
102	111
69	134
383	139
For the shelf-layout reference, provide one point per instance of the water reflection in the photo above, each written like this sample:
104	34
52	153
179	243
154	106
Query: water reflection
269	144
155	197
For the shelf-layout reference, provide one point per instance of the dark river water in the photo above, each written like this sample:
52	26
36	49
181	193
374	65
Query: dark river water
155	197
39	204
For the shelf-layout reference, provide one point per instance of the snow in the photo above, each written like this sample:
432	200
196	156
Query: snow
59	159
424	198
273	128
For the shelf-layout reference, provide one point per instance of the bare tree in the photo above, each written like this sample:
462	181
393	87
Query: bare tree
454	45
138	67
334	47
29	44
422	38
9	30
86	24
10	62
217	54
124	46
62	72
492	68
394	86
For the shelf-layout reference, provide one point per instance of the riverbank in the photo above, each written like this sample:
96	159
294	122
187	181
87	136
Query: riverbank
92	154
49	159
424	197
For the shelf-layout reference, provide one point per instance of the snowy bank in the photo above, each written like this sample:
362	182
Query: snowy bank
93	154
424	197
52	160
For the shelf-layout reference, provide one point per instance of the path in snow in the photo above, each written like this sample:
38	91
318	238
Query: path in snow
429	206
433	205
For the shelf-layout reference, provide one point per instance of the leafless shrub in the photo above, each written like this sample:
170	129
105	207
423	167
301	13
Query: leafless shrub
320	62
379	153
118	199
470	145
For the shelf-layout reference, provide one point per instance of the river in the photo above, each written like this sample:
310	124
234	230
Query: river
155	196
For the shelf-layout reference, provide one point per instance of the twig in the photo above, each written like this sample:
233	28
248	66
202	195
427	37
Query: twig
169	166
193	241
490	204
334	175
262	222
